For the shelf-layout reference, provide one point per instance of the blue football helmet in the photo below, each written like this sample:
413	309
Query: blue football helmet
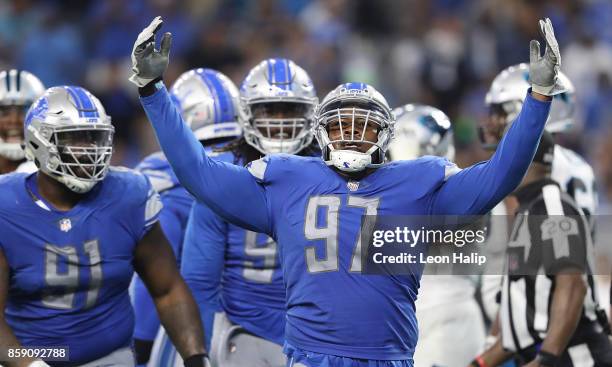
421	130
209	103
353	108
69	137
278	100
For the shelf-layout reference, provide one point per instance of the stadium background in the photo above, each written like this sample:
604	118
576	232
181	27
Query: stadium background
440	52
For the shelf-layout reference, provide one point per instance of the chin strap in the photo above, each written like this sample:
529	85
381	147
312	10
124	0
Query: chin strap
76	185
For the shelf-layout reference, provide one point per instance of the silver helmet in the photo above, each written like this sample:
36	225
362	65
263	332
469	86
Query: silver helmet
18	88
70	137
508	91
421	130
348	111
209	103
278	98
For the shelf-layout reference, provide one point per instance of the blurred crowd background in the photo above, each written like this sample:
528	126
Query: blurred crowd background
440	52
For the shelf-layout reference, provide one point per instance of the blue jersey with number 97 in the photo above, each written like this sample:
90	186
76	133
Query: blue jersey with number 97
315	214
70	270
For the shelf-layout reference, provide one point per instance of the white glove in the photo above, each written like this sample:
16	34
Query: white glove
544	70
148	63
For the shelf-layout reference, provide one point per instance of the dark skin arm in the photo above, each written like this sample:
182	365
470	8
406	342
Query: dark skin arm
495	355
7	338
570	289
154	261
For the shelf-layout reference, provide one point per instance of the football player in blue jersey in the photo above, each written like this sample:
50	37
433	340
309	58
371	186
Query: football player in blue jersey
313	207
18	89
210	105
73	233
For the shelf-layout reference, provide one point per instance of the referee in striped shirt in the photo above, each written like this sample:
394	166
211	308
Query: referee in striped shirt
549	315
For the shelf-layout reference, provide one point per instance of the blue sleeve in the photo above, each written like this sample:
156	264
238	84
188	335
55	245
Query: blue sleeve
145	313
478	188
230	190
203	261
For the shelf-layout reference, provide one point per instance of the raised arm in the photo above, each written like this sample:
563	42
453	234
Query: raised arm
229	190
475	190
203	261
478	188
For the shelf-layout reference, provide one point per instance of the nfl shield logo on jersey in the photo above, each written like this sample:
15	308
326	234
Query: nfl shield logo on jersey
65	225
352	185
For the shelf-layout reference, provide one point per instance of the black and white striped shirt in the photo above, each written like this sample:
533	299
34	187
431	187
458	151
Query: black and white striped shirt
550	234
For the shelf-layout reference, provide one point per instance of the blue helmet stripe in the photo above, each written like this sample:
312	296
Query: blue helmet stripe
223	100
354	85
281	73
85	105
206	80
75	99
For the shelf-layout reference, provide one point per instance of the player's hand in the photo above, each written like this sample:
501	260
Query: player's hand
544	70
148	63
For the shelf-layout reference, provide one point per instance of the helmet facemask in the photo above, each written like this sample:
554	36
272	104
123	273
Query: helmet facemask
279	127
353	135
76	155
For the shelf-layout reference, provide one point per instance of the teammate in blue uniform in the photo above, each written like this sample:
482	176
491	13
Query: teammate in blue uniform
233	273
313	207
18	89
209	104
72	236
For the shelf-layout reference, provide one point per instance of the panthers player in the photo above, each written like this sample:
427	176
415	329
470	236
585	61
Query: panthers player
73	234
573	174
570	170
209	104
313	207
446	307
18	89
